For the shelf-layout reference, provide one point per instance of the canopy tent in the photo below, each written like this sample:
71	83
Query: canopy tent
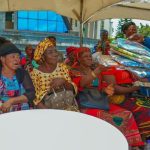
69	8
81	10
124	10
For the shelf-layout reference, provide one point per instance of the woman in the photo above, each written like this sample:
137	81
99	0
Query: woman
83	76
50	74
130	31
70	51
103	45
124	90
16	88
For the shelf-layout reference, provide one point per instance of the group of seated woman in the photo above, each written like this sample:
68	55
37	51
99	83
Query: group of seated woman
21	90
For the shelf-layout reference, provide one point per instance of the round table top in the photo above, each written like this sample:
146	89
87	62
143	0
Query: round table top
57	130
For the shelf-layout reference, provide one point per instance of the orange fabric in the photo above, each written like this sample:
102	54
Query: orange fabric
121	76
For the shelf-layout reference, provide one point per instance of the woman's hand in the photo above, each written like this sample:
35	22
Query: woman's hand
41	106
5	107
57	82
109	90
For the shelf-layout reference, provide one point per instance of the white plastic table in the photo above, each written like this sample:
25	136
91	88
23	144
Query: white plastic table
57	130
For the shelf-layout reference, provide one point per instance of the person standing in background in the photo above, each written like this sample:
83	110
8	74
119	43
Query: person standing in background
103	45
130	31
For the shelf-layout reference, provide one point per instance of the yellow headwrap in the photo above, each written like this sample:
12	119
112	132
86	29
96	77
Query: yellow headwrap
41	47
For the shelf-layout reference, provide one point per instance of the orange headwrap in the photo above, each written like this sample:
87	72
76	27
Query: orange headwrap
41	47
70	49
78	52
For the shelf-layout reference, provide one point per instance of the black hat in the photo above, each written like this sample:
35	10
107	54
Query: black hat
8	48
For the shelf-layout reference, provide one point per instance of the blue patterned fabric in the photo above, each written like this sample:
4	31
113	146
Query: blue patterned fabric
11	88
147	42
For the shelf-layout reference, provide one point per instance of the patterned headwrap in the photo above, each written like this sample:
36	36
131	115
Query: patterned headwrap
41	47
78	52
70	49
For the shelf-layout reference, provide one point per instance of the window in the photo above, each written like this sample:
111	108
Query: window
9	20
45	21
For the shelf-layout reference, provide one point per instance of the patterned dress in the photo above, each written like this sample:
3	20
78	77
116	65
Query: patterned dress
42	80
140	107
11	88
117	116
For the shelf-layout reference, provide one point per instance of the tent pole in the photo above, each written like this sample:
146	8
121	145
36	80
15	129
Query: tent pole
81	23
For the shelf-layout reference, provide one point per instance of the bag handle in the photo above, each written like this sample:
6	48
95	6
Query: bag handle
55	93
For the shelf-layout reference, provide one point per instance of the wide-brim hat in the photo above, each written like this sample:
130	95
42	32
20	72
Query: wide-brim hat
8	48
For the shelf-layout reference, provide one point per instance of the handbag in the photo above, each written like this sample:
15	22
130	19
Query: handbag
61	99
93	98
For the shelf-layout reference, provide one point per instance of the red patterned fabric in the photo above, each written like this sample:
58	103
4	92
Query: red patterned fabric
70	49
120	118
141	113
117	116
140	108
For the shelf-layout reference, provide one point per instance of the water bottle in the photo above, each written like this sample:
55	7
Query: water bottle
147	146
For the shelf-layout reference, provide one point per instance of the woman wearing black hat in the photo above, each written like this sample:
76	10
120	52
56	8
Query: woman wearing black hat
16	88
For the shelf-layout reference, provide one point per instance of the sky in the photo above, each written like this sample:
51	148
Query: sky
137	22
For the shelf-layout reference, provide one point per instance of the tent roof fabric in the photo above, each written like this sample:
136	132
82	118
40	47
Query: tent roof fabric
124	10
69	8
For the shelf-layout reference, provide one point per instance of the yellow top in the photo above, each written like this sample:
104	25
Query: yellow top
42	80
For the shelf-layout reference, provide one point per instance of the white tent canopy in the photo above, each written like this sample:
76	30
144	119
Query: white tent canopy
80	10
125	10
76	9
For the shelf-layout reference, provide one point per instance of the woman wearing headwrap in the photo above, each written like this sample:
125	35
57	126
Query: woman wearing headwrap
84	77
70	56
50	74
16	88
104	44
126	96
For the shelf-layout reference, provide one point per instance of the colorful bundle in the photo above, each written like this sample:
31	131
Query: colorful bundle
141	72
128	62
133	47
132	56
105	60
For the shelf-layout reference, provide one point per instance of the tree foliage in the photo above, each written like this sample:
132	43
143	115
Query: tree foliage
144	29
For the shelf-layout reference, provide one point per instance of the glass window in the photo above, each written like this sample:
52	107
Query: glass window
42	25
60	27
42	15
52	15
45	21
59	18
22	24
33	25
33	14
52	26
22	14
65	28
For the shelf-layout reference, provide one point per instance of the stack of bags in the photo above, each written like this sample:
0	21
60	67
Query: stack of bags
132	56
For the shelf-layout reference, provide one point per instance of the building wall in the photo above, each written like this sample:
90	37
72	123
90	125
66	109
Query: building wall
2	21
92	29
22	38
